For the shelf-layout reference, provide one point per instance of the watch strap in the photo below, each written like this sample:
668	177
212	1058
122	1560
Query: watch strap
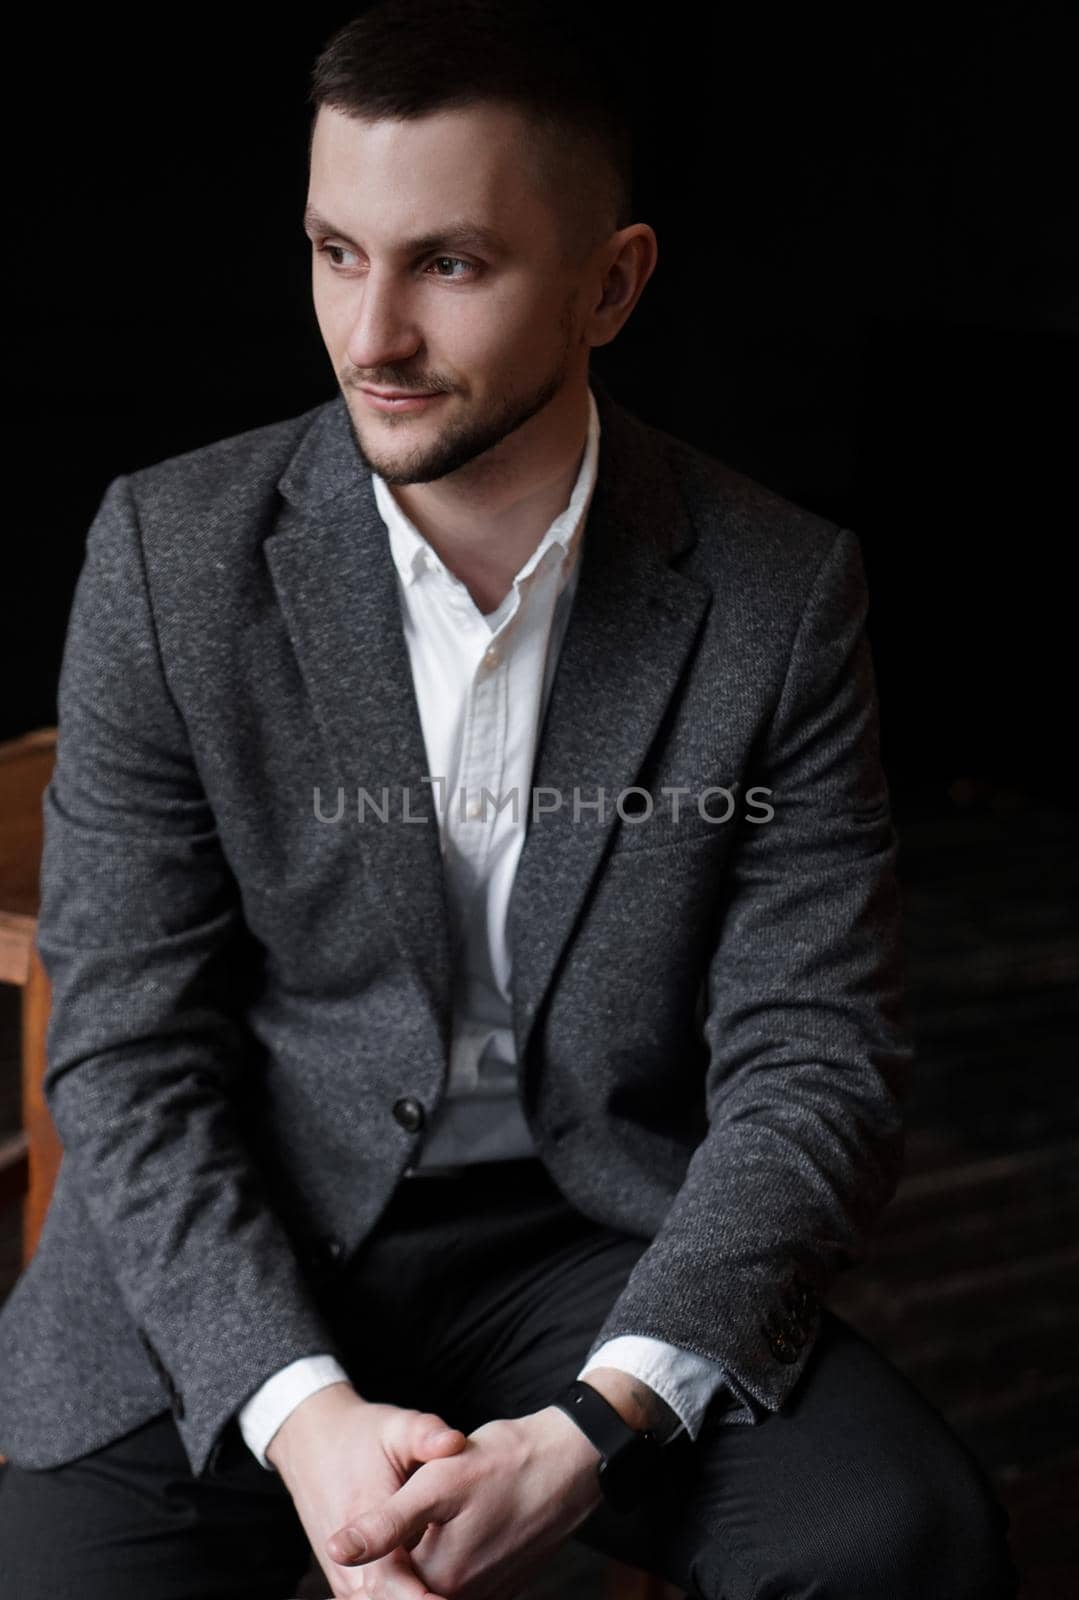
598	1419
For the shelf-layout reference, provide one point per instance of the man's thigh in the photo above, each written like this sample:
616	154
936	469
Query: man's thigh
129	1522
478	1302
856	1488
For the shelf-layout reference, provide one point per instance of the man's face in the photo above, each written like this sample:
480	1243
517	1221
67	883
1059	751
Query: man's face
490	325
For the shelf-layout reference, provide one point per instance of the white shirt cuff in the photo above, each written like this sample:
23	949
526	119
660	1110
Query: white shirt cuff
279	1396
688	1382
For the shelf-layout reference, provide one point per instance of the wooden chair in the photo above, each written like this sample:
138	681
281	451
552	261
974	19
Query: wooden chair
29	1160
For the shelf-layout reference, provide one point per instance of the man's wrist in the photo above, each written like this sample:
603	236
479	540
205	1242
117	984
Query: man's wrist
310	1414
276	1399
637	1404
577	1456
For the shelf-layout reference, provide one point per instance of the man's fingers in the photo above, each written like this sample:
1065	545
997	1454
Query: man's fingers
400	1521
399	1579
430	1434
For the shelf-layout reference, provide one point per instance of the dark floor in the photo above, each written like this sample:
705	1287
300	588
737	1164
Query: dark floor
971	1289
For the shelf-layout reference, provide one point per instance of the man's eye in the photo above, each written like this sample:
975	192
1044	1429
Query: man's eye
333	251
439	259
336	251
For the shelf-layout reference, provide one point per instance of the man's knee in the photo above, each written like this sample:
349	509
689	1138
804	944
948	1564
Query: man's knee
920	1533
958	1537
933	1535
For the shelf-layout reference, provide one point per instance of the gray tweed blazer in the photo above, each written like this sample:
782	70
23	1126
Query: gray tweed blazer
251	1006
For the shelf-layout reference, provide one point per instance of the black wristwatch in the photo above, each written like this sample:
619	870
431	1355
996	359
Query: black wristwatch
629	1458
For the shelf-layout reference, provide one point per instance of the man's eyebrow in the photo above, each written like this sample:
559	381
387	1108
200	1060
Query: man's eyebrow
458	235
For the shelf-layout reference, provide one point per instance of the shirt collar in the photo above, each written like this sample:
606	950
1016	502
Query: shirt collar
412	554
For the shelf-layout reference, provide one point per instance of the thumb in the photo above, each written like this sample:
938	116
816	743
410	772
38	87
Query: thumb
400	1520
431	1436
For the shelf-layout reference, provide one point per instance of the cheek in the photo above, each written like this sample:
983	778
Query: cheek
330	318
336	307
507	332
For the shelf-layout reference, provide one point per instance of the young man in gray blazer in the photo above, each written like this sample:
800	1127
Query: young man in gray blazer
469	898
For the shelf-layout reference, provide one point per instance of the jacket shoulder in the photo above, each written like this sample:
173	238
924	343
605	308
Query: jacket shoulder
740	525
234	475
762	553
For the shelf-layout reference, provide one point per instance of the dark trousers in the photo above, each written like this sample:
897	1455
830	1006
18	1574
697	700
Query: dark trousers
479	1297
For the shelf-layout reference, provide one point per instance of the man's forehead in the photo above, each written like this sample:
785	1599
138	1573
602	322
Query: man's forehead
477	196
481	146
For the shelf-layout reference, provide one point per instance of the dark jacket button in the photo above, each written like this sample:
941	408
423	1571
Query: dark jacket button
803	1301
802	1305
324	1254
409	1113
794	1325
782	1347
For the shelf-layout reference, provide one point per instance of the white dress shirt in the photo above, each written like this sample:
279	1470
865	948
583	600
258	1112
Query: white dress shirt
482	683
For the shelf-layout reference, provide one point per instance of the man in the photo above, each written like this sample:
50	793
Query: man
470	906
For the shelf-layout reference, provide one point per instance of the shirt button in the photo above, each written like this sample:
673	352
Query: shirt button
475	811
491	657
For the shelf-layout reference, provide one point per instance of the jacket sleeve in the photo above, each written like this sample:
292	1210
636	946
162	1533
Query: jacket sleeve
139	921
805	1024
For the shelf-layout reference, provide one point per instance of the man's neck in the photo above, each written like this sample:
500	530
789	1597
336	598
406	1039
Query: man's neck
485	537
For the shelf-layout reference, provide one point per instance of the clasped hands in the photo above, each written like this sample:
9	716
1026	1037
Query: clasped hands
399	1506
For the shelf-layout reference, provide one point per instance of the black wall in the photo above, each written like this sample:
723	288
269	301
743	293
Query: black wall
866	297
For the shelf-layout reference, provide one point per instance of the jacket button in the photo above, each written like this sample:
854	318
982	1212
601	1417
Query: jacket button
793	1326
324	1254
803	1301
783	1348
802	1304
177	1405
409	1113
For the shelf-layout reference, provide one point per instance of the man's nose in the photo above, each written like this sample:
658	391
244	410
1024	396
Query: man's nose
384	330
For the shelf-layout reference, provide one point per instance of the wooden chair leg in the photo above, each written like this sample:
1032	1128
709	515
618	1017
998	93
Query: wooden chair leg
44	1143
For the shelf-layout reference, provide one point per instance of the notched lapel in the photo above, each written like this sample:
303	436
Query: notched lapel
331	565
633	625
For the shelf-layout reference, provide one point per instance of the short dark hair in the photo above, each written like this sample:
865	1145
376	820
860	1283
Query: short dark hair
548	60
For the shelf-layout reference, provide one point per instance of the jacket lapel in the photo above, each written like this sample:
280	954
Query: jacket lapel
633	624
330	561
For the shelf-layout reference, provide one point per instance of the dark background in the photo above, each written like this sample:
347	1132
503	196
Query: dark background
865	297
